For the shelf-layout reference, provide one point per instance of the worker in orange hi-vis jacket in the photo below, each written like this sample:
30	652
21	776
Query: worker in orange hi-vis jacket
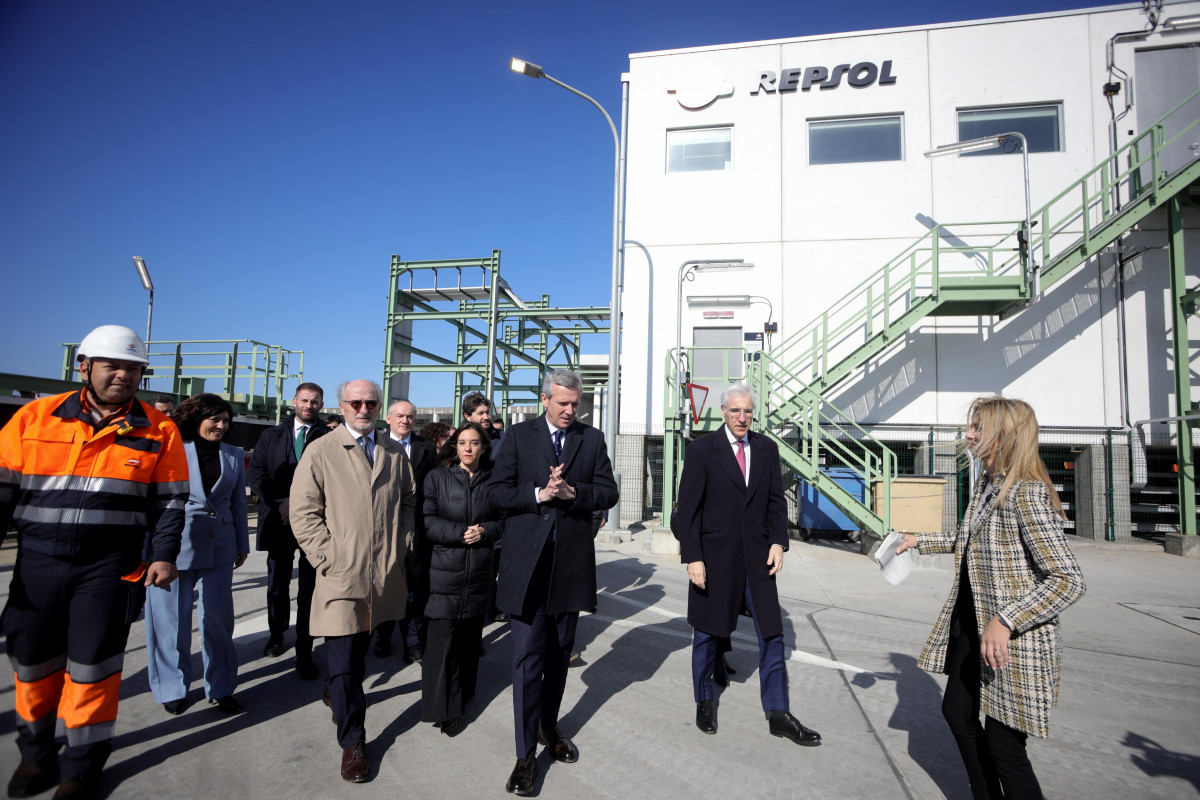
83	476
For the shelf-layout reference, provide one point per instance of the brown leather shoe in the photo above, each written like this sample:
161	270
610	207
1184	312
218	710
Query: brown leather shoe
562	748
354	763
33	777
82	788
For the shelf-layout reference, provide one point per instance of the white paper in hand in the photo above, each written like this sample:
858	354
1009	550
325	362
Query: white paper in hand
894	567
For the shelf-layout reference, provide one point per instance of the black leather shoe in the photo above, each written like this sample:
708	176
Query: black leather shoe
306	669
355	766
383	647
274	648
782	723
562	748
227	704
175	707
33	777
450	727
706	716
520	782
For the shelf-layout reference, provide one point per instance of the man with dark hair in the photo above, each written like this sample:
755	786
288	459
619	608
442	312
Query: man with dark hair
83	476
164	403
478	409
551	474
272	466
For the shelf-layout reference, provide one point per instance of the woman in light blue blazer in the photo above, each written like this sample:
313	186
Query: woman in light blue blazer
216	541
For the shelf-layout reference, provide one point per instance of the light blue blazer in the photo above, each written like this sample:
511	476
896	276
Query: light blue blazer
215	529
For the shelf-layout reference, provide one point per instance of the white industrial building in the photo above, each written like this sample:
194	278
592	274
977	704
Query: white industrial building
806	157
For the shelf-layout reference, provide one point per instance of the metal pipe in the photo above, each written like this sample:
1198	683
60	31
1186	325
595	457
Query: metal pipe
493	300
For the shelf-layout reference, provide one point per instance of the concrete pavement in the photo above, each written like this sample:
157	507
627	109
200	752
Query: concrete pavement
1126	725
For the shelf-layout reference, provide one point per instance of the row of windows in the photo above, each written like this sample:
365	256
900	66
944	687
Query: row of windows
870	138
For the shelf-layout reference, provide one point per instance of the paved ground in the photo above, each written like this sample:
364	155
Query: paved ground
1127	723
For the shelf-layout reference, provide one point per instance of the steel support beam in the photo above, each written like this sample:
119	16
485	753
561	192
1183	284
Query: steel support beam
1181	348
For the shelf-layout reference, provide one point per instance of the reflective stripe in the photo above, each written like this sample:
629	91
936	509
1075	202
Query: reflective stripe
89	734
9	476
174	504
82	483
85	704
76	516
30	673
94	673
172	487
38	725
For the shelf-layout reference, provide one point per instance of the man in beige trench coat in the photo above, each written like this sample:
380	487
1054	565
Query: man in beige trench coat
352	507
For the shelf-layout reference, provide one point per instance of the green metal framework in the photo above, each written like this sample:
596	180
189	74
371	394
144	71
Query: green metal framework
986	270
520	339
249	374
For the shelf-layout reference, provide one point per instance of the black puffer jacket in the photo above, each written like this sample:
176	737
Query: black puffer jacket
460	575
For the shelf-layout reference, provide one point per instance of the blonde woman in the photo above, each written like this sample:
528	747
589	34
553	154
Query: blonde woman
997	636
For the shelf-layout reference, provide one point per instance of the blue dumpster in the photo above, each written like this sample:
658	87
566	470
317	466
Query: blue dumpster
818	513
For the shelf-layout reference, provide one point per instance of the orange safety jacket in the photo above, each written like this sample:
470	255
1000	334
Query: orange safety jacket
73	486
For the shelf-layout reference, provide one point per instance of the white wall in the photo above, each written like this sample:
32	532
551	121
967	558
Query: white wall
814	232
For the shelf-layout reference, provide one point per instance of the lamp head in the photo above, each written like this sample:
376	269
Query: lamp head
525	68
143	273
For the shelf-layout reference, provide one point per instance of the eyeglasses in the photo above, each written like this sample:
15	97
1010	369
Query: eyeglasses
357	404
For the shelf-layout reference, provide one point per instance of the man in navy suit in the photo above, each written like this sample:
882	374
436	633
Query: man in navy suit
732	522
552	473
272	466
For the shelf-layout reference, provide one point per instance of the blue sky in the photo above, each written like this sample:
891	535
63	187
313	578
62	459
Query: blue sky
267	158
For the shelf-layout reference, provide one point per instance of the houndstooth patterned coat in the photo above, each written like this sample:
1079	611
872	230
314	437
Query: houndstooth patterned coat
1021	566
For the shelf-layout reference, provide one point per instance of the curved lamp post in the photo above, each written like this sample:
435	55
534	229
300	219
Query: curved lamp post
614	312
148	285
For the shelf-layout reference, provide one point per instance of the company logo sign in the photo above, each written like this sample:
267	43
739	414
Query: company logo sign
700	86
860	76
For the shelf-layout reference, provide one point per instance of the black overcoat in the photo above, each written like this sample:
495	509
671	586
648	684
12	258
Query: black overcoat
730	525
523	465
460	575
272	466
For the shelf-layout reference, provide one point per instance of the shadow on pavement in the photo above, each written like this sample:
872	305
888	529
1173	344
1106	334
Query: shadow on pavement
1157	761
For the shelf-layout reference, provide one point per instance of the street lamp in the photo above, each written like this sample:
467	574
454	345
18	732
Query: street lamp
991	143
148	285
618	255
687	271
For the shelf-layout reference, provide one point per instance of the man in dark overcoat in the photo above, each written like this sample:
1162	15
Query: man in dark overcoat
732	523
272	467
552	473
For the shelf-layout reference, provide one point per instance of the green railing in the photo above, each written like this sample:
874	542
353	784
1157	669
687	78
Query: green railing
249	374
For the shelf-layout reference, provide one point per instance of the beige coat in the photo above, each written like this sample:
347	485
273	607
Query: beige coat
354	523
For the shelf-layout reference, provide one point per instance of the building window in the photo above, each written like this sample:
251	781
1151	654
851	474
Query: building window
849	141
1041	125
699	149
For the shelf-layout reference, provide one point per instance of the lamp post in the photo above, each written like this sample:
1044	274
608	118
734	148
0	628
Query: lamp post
618	255
687	271
990	143
148	285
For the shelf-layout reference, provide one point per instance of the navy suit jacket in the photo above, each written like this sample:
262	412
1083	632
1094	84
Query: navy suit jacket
272	466
730	525
214	527
523	465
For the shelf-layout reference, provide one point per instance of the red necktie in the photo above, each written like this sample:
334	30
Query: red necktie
741	456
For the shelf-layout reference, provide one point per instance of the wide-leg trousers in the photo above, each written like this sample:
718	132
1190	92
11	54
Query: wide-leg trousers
450	668
169	634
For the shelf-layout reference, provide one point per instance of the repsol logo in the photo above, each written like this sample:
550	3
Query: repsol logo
860	75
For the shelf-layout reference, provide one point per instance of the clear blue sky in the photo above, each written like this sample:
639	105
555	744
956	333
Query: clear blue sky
267	158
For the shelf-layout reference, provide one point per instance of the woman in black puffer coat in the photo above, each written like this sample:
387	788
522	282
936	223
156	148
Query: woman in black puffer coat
461	534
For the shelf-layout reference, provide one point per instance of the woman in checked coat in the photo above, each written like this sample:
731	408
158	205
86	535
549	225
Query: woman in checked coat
997	636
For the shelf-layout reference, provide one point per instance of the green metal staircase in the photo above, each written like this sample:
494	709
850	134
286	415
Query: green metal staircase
986	270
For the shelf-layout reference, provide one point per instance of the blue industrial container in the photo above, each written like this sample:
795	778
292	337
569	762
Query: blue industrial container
818	513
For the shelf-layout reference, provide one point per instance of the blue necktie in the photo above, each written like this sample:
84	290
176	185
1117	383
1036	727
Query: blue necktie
558	445
365	444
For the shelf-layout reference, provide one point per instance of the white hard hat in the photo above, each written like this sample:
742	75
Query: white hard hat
115	342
